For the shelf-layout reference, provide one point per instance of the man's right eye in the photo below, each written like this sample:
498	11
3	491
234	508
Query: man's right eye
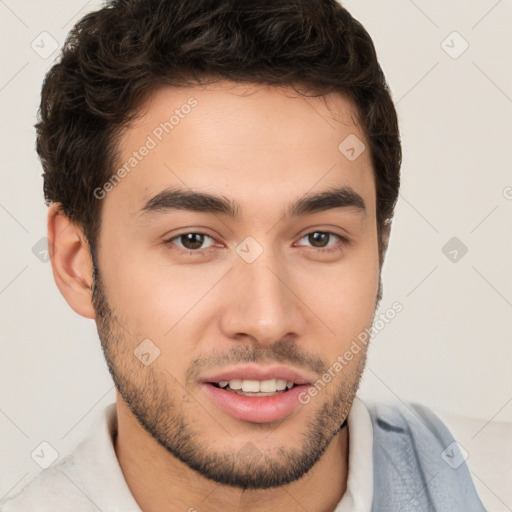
190	242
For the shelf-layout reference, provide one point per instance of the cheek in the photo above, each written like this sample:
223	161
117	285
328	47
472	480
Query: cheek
154	300
344	294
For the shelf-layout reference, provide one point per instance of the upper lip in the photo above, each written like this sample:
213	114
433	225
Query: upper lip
253	372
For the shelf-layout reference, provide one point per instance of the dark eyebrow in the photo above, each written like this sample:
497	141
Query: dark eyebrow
343	197
178	199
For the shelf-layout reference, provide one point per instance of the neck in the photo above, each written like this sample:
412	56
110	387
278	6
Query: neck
159	481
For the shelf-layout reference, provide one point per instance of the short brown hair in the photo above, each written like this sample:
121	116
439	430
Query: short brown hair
115	57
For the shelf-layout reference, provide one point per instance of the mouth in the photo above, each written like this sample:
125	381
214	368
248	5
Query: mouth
256	394
270	387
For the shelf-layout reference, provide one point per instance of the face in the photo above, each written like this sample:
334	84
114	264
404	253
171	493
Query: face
262	286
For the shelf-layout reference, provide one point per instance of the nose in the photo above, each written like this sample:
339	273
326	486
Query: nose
264	304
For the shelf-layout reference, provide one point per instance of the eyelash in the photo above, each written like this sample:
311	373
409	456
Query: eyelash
330	249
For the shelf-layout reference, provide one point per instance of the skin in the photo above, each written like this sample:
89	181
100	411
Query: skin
264	147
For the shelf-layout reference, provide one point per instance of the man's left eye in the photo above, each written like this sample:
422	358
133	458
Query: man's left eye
319	239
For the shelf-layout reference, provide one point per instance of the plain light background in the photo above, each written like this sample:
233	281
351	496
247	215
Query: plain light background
451	346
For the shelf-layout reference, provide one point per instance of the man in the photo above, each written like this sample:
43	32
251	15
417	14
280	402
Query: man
221	178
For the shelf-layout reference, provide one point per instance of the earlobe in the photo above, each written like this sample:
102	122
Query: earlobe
71	262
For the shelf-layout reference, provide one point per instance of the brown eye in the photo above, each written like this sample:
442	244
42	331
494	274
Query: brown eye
320	240
190	241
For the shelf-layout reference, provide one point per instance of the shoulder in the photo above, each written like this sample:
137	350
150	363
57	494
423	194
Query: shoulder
88	479
45	491
487	445
71	483
468	454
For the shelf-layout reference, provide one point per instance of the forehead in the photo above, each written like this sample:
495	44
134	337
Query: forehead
254	142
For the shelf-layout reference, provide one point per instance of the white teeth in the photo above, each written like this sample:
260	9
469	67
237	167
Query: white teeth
235	384
268	386
250	385
280	384
257	386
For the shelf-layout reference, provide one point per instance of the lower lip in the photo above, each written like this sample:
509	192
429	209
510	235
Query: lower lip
257	409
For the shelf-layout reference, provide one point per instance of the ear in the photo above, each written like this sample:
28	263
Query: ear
71	262
384	241
383	247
